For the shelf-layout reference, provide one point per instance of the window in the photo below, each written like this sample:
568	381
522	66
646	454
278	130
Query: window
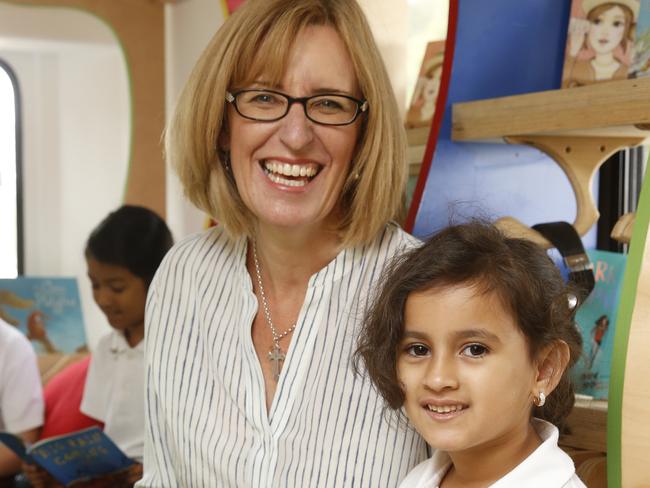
11	259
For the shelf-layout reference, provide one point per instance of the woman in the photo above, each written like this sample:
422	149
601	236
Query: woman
609	26
288	135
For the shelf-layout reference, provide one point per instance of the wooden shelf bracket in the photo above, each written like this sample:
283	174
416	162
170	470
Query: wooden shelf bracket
579	157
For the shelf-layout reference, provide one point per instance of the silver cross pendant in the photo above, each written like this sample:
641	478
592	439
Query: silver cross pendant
276	356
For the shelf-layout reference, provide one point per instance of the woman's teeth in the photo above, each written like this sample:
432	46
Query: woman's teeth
445	409
295	170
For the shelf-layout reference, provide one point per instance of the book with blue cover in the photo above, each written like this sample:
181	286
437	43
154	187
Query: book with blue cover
47	310
596	320
81	455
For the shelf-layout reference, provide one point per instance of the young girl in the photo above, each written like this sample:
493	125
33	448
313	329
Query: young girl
472	335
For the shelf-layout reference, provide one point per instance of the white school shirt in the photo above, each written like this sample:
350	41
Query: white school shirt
207	422
21	394
114	392
547	467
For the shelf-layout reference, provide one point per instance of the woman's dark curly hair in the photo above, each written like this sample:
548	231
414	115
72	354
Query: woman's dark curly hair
477	254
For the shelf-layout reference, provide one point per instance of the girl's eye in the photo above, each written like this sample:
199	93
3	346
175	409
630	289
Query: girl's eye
474	350
117	290
417	350
618	23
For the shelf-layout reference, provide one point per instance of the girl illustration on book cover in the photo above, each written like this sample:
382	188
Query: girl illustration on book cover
599	44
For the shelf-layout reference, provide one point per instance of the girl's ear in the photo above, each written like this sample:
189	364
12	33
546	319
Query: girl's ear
551	363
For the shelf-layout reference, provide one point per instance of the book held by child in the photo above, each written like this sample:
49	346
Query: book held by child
81	455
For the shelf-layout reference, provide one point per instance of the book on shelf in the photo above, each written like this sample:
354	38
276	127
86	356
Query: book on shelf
596	320
46	310
425	94
81	455
641	63
600	41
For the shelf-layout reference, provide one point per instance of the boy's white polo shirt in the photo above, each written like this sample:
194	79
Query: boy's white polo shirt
114	392
21	395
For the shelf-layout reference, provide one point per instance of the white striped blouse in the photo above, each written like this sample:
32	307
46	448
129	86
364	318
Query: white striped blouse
207	423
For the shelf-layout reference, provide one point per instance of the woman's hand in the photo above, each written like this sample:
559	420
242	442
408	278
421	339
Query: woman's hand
38	477
578	29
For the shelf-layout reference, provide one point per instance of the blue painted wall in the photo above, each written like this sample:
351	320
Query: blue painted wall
503	47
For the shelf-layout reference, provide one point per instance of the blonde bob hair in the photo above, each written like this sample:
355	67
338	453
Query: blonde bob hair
255	41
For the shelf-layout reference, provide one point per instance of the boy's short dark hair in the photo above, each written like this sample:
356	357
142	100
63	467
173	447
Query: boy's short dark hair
133	237
517	271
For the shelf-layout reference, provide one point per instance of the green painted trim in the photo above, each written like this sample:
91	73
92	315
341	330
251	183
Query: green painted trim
126	63
623	322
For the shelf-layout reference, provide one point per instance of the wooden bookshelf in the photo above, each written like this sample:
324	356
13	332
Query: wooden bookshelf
579	128
610	109
417	143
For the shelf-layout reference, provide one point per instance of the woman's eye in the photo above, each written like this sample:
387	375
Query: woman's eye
264	98
617	23
327	105
474	350
417	350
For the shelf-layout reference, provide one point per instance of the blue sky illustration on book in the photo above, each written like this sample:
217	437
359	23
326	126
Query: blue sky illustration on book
596	319
47	310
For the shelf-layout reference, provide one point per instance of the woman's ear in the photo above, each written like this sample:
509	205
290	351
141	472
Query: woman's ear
551	363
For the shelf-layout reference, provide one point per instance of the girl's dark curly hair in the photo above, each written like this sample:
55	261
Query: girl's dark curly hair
477	254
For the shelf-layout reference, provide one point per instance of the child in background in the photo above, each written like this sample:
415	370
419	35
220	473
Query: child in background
473	334
122	255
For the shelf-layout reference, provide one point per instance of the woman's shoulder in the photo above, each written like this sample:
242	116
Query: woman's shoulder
202	249
396	239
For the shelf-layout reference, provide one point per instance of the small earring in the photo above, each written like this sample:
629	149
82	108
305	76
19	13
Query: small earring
226	161
355	176
541	400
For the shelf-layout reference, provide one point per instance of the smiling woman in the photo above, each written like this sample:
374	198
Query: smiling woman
289	135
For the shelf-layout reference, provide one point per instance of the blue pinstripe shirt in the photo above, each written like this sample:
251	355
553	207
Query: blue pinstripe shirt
207	422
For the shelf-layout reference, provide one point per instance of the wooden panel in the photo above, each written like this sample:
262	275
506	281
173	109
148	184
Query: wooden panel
635	429
613	108
586	427
139	26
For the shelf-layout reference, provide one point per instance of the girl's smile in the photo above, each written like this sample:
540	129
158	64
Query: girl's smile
463	362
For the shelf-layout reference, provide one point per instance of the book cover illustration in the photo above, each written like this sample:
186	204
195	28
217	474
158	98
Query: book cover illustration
47	310
82	455
596	320
600	41
641	64
423	102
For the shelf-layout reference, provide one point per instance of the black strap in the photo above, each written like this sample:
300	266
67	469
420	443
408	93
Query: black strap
567	241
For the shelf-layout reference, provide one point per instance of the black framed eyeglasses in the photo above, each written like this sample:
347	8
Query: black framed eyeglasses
270	105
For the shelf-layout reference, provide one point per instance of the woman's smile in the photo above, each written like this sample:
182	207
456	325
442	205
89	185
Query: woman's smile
283	172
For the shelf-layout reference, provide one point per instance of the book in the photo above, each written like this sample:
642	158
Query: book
425	94
81	455
600	41
596	320
46	310
641	64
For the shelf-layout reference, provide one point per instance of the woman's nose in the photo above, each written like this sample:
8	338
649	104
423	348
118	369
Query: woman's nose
296	130
441	374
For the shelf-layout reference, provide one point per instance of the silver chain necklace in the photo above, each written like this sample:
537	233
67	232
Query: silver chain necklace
276	356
